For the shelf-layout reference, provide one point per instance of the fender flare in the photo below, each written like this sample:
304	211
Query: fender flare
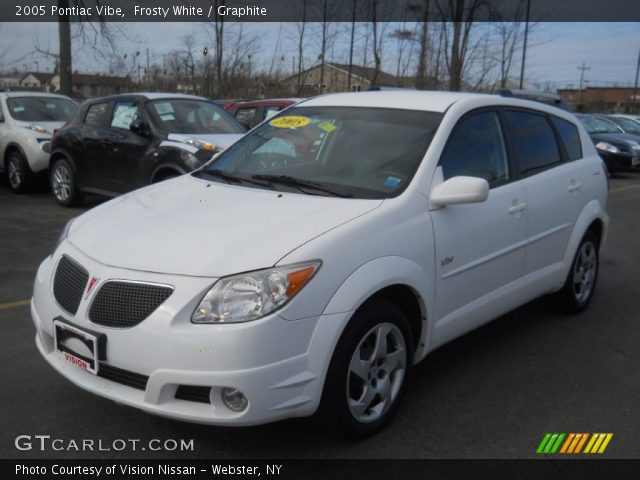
591	212
375	275
167	166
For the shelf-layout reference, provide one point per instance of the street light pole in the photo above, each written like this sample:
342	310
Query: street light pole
524	48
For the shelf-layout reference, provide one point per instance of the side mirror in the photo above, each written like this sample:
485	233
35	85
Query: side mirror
459	190
139	127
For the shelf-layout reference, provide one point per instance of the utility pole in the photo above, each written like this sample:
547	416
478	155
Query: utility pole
583	68
147	76
524	47
635	85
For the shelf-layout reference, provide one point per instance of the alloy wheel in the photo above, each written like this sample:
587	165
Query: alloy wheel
61	182
376	372
584	271
14	172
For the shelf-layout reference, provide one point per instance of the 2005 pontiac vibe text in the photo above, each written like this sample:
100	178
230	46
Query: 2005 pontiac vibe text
312	263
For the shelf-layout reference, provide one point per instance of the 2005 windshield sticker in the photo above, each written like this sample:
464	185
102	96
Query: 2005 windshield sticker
290	121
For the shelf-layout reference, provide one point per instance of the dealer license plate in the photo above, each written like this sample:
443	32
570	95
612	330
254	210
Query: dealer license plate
78	346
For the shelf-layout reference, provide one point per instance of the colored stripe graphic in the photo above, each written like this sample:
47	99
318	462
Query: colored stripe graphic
598	443
573	443
550	443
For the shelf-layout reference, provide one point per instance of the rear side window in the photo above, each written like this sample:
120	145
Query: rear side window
533	141
246	116
97	115
476	149
570	137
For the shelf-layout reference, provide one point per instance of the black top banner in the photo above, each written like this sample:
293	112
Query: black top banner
319	10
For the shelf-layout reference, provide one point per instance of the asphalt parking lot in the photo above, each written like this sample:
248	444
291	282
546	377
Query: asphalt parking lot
493	393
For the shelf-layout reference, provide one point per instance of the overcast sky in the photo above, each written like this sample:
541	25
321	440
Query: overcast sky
556	51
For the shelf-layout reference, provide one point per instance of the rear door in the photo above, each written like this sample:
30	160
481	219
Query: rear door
555	181
480	247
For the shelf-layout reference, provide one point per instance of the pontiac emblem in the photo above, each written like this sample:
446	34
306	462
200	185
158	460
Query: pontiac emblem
92	283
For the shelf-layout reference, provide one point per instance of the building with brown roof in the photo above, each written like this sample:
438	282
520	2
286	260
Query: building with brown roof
335	78
92	85
602	99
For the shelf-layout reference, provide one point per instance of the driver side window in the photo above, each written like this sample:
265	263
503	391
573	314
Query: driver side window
476	148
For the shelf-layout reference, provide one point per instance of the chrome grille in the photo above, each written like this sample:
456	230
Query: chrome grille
69	283
125	304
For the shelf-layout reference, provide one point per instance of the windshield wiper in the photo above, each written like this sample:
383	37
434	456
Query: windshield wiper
223	175
300	184
234	179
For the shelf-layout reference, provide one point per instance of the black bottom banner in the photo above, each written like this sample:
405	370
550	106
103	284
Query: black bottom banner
324	469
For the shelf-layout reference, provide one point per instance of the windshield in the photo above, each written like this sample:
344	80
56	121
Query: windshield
596	125
352	152
41	109
192	117
628	125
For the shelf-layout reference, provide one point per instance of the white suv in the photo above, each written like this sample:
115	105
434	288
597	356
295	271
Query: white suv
314	261
27	123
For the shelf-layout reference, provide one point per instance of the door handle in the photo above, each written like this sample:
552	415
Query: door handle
574	186
517	208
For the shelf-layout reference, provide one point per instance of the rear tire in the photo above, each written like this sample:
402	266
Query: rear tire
63	183
578	289
369	370
18	172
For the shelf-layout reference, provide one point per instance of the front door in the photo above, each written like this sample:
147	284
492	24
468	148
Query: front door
126	148
480	247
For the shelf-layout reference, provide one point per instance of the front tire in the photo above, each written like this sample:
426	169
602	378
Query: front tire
63	184
369	370
577	292
18	173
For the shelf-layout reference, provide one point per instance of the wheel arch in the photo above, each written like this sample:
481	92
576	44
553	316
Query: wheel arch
60	154
396	279
9	149
161	171
593	218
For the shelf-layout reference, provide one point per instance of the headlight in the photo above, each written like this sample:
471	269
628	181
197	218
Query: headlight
64	234
607	147
200	144
249	296
36	128
634	145
190	159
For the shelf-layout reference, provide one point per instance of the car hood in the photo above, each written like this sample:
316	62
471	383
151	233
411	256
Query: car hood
218	139
193	227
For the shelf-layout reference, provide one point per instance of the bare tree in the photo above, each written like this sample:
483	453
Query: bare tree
510	31
378	30
99	36
301	27
460	17
8	47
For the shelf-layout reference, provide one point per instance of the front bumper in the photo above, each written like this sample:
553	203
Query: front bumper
621	161
37	157
278	364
